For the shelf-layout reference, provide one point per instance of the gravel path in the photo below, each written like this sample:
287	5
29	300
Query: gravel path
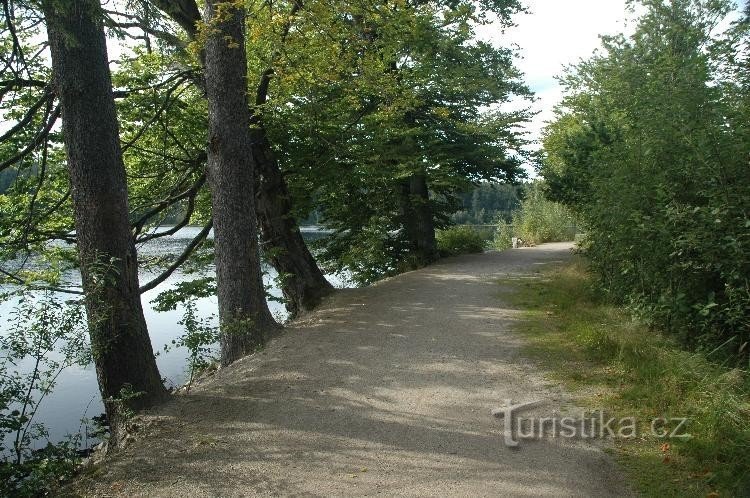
385	390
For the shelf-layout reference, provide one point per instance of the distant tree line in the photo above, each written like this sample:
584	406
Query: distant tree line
7	177
488	203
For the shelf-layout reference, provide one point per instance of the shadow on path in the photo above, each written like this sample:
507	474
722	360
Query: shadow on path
386	390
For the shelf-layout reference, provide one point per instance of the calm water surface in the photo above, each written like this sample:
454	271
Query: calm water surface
76	395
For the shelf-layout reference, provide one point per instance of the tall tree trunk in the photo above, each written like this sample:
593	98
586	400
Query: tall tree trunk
419	226
243	311
120	343
424	233
302	282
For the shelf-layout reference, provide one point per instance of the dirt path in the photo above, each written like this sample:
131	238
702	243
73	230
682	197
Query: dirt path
386	390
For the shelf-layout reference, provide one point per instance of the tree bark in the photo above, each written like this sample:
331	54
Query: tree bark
419	226
302	282
243	311
120	343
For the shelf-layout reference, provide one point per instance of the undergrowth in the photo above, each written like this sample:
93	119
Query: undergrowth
617	364
457	240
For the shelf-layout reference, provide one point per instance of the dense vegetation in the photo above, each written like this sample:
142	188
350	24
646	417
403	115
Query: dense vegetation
460	240
650	150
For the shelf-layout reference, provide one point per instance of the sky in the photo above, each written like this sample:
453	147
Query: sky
553	34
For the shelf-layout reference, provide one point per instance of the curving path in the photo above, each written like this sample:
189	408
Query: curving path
386	390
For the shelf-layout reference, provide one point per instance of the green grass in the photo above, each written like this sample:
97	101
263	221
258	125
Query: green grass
613	363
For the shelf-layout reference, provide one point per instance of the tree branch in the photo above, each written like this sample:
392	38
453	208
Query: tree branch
41	136
197	241
189	194
18	280
261	94
184	12
139	23
46	99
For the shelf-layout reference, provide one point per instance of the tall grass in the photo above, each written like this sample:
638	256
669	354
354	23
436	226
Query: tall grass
537	221
620	365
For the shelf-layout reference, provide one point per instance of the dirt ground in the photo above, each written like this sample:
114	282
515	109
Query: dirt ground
385	390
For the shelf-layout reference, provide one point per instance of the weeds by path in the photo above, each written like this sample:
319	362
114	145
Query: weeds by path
617	364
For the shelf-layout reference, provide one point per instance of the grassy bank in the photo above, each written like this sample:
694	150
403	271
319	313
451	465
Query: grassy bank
613	363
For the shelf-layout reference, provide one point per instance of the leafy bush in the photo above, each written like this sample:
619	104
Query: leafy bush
200	336
650	150
460	240
503	236
50	336
367	255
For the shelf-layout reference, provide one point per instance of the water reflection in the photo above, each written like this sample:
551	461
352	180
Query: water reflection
77	396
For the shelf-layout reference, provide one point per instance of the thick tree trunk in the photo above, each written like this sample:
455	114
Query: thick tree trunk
302	282
243	311
424	234
419	226
120	343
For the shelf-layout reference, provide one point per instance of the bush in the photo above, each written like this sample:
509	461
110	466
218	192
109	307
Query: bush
460	240
49	336
665	205
503	236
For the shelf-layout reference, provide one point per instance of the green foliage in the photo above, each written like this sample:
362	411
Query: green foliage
628	369
200	336
383	98
34	193
460	240
368	254
538	220
183	292
200	339
46	337
163	128
503	238
650	150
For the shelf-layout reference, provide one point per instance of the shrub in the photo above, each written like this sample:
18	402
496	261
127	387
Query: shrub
665	205
460	240
49	335
503	236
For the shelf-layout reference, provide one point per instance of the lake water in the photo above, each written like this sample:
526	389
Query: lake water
76	394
